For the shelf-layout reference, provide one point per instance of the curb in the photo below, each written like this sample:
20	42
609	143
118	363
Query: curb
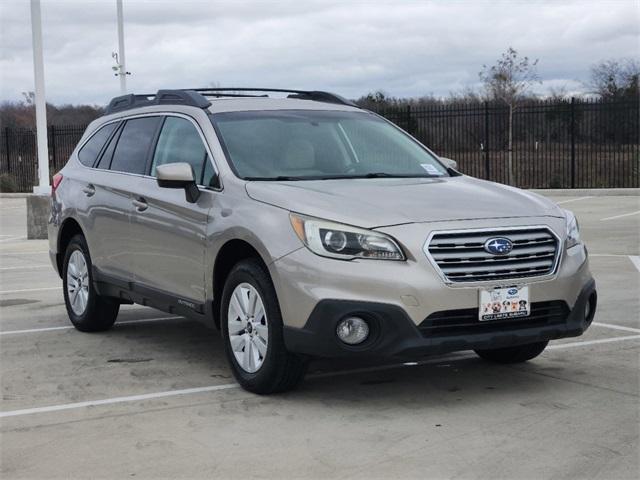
17	195
589	192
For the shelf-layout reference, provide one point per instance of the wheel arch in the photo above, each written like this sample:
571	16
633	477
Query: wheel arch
69	228
232	252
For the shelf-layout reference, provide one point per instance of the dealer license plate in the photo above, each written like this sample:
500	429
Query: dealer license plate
503	303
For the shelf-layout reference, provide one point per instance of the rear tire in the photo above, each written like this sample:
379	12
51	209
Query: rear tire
88	311
255	328
517	354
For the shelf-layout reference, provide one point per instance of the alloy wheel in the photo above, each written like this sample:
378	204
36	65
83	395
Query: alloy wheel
78	282
248	329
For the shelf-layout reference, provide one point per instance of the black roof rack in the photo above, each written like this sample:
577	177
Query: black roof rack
162	97
316	95
197	97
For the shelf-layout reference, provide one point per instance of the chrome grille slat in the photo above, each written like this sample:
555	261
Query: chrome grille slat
513	236
498	267
499	263
479	245
461	256
481	254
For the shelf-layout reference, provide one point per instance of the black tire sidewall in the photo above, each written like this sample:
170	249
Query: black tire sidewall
77	243
251	272
100	313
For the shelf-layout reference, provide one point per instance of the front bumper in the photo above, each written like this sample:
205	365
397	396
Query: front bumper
395	335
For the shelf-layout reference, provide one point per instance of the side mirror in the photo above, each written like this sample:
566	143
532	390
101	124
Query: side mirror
449	163
178	175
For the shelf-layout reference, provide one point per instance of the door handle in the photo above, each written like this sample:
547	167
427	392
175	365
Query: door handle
89	190
140	204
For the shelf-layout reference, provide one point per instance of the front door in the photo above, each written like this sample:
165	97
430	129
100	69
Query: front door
168	233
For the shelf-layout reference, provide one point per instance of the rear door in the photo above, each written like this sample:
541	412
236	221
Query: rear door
104	214
168	232
109	191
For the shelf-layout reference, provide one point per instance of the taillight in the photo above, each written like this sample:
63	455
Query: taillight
57	178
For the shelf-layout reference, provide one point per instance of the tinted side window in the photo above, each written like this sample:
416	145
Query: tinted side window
90	150
131	152
179	141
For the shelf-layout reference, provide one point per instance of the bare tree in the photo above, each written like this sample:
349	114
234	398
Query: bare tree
509	81
616	79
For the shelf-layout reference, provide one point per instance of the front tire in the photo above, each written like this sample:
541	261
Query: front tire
517	354
252	330
88	311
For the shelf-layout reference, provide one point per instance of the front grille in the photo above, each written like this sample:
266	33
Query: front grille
465	321
462	258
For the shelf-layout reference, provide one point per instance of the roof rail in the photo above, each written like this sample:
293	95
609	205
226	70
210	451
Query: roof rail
162	97
315	95
197	97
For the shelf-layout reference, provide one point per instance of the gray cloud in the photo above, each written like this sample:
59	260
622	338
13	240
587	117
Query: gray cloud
351	47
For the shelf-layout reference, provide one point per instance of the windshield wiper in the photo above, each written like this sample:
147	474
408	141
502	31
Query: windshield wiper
380	175
279	178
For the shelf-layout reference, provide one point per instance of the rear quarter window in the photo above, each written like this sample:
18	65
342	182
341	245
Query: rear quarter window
90	150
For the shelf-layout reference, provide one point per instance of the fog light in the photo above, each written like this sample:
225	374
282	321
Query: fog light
352	330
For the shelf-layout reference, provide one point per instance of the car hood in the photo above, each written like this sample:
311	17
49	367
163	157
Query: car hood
382	202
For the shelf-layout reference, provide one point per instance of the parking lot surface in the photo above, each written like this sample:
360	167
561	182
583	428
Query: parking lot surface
153	397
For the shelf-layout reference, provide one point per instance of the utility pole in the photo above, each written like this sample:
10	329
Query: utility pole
120	59
41	106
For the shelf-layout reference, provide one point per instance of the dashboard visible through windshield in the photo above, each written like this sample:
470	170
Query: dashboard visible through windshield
315	144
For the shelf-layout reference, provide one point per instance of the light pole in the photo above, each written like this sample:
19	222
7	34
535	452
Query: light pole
120	59
41	106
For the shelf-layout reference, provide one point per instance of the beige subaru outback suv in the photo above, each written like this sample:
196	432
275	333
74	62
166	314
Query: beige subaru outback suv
303	226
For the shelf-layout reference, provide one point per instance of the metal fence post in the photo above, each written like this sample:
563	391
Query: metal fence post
409	118
6	146
573	143
52	143
487	167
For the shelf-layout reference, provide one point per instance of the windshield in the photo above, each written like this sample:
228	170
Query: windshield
313	144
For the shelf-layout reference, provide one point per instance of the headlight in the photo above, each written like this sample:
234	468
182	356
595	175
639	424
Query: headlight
573	231
336	240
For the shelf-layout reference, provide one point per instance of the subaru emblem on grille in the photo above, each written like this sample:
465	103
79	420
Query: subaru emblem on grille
498	246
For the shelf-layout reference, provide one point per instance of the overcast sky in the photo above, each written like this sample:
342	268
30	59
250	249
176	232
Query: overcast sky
406	48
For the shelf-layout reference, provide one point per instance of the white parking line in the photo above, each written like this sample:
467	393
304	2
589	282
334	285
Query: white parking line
7	254
69	327
10	239
616	327
25	290
109	401
26	267
572	200
619	216
592	342
635	259
212	388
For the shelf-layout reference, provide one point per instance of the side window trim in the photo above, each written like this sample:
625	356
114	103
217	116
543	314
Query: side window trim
203	168
154	144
